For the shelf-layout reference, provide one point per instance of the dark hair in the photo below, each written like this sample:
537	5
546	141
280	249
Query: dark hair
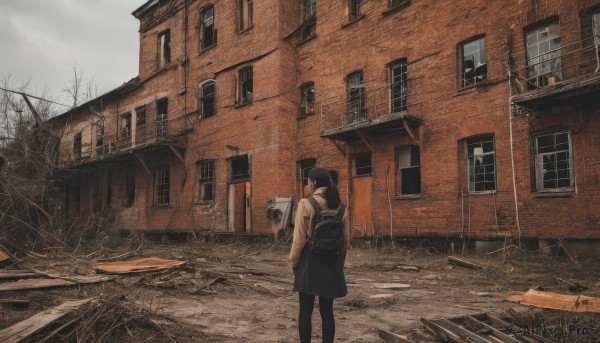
322	178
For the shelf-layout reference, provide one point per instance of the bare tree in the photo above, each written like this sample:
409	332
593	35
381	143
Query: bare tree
80	89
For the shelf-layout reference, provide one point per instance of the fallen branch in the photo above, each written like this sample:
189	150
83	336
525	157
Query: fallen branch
463	263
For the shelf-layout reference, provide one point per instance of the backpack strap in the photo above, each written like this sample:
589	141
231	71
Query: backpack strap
341	211
317	208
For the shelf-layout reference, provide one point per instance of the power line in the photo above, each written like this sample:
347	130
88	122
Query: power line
33	96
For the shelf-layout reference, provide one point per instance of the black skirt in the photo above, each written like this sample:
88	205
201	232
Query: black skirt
320	275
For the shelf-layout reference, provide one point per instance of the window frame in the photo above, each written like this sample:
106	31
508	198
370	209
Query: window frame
204	179
353	113
400	177
368	167
243	80
541	78
164	48
78	145
162	181
202	98
233	178
401	86
126	127
100	134
162	119
305	97
246	12
303	167
354	12
203	28
463	71
472	181
538	183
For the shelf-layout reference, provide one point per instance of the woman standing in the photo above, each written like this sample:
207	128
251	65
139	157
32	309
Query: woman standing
317	274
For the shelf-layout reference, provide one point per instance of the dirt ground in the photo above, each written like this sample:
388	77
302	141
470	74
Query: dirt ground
237	291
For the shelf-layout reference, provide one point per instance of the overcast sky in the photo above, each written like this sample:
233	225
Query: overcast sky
43	39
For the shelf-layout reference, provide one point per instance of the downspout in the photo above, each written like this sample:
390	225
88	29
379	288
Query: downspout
512	156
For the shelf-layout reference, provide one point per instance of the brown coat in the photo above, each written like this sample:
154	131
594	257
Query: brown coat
303	229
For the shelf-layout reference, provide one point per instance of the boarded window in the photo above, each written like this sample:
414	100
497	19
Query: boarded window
162	185
408	170
362	164
207	99
355	98
240	168
246	85
474	62
246	14
164	41
553	165
481	164
162	107
543	56
307	98
209	33
399	85
206	181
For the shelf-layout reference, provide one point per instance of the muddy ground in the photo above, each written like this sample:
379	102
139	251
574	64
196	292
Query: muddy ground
238	291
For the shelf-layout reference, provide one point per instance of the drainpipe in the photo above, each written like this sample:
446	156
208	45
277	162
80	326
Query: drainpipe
512	156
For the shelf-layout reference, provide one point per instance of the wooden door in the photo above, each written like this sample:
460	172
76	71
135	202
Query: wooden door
362	220
238	207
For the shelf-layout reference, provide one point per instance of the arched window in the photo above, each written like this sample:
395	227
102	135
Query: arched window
207	98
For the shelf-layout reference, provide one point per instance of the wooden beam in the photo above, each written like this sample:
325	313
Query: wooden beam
339	146
365	140
458	331
20	331
177	154
495	332
392	337
141	160
36	116
410	132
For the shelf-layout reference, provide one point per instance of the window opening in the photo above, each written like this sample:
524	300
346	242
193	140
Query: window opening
481	163
408	170
140	123
246	14
77	142
543	56
209	34
162	185
240	168
162	107
130	187
207	99
553	167
356	109
246	85
206	180
362	164
165	48
307	99
355	9
398	85
100	139
474	62
126	125
304	168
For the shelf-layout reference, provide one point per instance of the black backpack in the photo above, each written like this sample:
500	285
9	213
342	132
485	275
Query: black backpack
328	230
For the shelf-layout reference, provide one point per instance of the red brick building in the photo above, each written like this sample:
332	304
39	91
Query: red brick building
437	118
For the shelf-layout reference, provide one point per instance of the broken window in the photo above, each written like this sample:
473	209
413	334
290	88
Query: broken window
355	97
304	167
307	99
354	9
208	31
130	187
164	41
77	145
474	62
399	85
246	85
126	125
140	124
362	164
100	139
206	181
543	56
481	164
553	165
207	99
310	19
408	170
240	168
162	185
246	14
162	107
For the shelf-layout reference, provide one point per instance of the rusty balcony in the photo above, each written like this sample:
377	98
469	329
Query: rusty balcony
564	75
381	110
98	143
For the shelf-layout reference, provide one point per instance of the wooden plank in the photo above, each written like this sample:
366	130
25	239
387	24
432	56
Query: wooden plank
142	265
463	263
562	302
8	274
50	283
391	285
502	325
392	337
20	331
239	207
461	332
362	205
496	333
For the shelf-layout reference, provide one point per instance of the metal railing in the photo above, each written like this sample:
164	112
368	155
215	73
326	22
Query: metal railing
569	62
94	146
363	105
